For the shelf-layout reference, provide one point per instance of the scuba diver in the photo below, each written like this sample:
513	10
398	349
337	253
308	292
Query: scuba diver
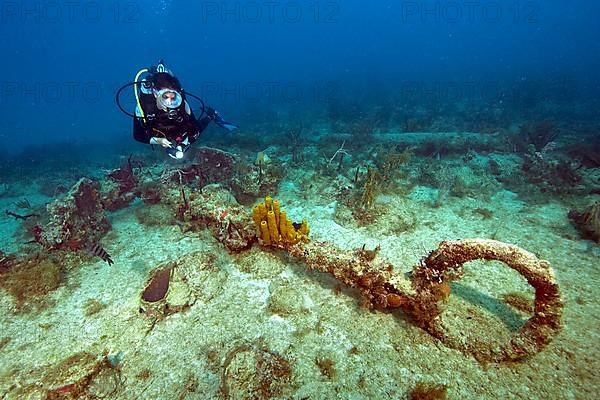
162	114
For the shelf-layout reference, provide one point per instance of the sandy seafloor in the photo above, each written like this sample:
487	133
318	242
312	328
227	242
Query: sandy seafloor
262	300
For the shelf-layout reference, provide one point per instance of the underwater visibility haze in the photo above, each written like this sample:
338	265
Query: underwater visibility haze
299	200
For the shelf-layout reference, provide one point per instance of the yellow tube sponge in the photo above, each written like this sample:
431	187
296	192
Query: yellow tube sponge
304	229
257	216
264	233
275	228
291	232
283	224
276	210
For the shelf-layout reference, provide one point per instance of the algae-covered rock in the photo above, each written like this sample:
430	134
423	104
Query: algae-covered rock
180	293
79	376
285	299
76	220
166	292
175	286
259	263
30	280
254	372
105	384
215	208
203	275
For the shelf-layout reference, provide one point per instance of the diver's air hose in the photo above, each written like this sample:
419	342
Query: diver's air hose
137	95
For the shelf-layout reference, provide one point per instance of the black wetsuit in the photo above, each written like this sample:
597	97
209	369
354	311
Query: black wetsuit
174	131
175	126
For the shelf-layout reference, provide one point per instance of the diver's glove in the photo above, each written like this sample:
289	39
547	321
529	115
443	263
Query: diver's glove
161	141
216	118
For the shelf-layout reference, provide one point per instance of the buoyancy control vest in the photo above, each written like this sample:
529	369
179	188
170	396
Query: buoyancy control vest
174	124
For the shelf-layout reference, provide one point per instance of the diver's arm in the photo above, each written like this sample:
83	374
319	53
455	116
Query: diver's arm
139	132
141	135
203	122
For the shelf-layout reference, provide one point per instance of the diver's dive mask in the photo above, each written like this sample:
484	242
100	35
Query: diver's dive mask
168	98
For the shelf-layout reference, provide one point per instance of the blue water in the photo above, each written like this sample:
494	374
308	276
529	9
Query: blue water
63	63
386	125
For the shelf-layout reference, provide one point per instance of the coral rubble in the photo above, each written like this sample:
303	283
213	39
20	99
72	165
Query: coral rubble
588	221
75	220
214	208
81	375
254	371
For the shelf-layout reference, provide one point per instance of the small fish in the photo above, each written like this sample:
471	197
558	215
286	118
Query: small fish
98	251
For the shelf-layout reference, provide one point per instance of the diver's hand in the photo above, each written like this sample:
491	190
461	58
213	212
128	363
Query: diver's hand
161	141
